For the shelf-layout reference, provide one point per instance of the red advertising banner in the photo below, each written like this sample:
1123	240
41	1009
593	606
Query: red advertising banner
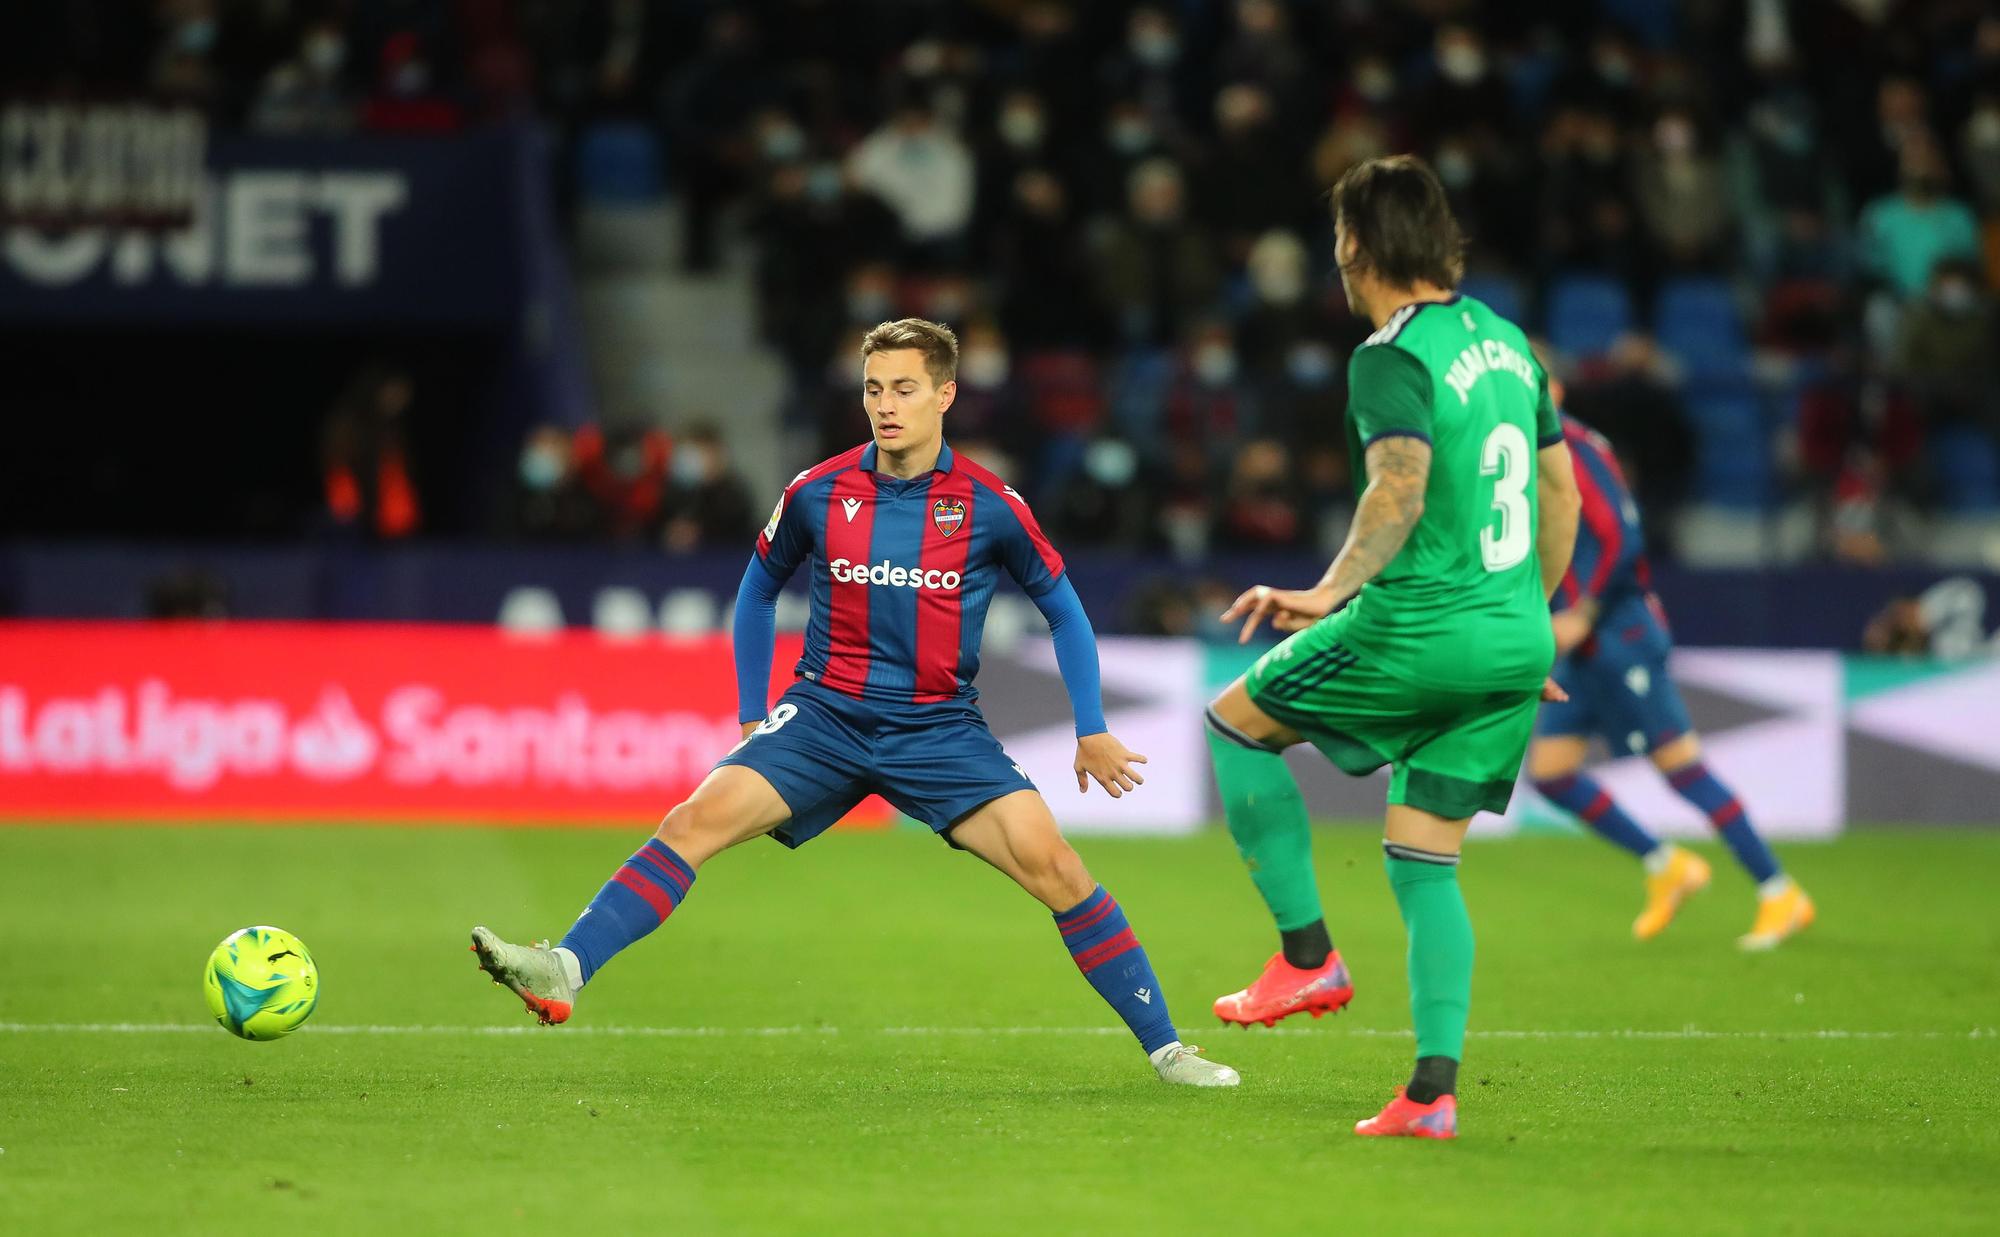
255	721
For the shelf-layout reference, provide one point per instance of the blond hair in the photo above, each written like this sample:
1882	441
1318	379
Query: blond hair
935	340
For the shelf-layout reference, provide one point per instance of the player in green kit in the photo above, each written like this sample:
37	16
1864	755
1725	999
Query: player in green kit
1426	646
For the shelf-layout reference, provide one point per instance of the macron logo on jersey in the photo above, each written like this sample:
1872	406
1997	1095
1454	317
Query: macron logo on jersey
889	575
850	505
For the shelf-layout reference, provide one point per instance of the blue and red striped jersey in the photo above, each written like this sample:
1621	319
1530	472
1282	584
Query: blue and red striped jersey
902	571
1609	565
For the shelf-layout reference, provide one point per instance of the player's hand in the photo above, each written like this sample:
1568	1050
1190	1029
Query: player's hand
1288	609
1103	757
1552	692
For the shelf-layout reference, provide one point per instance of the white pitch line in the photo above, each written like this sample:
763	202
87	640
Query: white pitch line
1683	1033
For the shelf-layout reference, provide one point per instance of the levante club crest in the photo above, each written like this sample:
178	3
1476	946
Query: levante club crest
948	514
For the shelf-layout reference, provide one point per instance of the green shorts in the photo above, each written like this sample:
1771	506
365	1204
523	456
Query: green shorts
1452	751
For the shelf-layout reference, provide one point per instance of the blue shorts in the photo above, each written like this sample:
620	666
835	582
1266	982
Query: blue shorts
825	752
1621	693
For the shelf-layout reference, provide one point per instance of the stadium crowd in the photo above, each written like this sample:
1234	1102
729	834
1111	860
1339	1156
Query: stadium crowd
1762	237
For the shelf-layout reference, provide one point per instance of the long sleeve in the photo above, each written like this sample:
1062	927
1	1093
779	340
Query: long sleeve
755	633
1076	654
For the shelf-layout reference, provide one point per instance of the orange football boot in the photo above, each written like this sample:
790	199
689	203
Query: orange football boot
1778	917
1405	1118
1685	875
1283	990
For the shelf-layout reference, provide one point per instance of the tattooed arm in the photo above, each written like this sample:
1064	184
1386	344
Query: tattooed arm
1399	468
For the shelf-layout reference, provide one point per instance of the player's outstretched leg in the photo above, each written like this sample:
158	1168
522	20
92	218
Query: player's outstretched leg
1422	861
1672	874
1782	907
1267	819
731	804
1017	834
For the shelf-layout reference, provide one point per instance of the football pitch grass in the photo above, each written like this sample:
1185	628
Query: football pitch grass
877	1035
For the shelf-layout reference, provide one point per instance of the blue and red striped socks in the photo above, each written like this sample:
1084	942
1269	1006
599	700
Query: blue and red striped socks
638	898
1580	793
1114	962
1724	810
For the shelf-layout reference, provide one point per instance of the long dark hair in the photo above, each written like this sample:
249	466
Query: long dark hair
1397	212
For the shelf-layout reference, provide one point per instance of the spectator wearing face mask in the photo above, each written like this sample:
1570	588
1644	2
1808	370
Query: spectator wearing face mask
1263	49
810	228
550	501
989	407
1489	192
1207	401
1678	187
1107	503
1464	89
1254	173
1156	271
186	68
1903	235
1605	79
1945	348
306	94
707	505
1128	138
1154	69
1016	142
1284	307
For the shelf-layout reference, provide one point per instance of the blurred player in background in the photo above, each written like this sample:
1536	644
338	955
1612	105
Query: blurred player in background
1436	663
1613	641
906	541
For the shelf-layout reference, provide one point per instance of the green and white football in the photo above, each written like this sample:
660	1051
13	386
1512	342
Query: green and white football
261	983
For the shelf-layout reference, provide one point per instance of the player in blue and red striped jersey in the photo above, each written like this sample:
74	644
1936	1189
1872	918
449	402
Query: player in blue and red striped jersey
905	541
1612	643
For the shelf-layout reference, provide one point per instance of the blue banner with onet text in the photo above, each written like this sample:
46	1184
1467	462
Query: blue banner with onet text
420	231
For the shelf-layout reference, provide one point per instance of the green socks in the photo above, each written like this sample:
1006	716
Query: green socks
1440	934
1267	817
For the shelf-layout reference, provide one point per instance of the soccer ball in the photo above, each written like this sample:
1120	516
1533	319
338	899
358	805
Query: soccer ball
261	983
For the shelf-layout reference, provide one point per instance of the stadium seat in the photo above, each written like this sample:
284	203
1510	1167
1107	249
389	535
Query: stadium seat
1587	312
1967	465
1696	320
1501	294
619	161
1734	468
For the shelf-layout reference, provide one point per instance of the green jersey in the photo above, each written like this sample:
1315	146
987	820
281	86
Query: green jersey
1461	605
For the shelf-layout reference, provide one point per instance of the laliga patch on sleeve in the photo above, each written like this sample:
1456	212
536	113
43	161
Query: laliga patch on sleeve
777	513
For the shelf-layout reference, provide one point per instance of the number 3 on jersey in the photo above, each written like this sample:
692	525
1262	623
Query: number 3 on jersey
1505	458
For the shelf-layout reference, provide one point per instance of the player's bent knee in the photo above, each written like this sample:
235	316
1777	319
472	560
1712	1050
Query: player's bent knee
1065	878
688	827
1550	760
1678	754
1236	712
